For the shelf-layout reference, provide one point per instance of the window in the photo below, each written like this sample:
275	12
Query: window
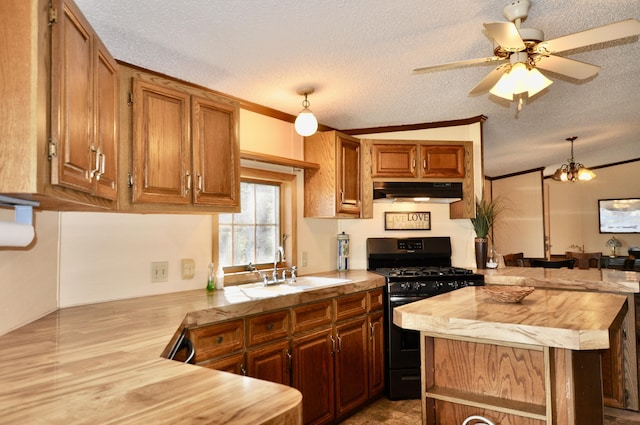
252	235
268	200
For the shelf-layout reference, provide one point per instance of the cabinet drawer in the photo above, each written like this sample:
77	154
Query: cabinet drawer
374	300
311	316
217	340
351	305
267	327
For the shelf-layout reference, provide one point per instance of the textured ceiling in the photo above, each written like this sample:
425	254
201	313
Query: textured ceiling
358	54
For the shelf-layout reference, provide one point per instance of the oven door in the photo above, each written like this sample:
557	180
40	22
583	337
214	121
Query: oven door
403	345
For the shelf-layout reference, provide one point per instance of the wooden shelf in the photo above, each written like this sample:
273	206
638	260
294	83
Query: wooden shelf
497	404
272	159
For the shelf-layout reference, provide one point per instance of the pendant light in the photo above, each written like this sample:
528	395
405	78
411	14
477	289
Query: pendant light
573	171
306	123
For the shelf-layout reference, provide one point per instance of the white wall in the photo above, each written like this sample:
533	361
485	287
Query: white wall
573	209
29	276
107	256
520	227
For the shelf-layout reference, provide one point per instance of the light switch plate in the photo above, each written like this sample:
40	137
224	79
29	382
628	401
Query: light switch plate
159	271
188	268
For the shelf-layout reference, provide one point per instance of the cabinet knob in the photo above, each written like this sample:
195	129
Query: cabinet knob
270	327
219	340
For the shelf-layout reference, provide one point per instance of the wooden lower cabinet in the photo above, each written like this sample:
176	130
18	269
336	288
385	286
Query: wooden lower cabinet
270	362
232	364
331	350
313	374
375	322
351	365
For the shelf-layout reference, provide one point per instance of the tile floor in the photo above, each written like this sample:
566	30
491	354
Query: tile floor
407	412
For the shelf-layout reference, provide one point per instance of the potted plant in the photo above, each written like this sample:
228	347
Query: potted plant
487	211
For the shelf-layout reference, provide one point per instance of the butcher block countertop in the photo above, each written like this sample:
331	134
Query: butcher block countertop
605	280
552	318
102	364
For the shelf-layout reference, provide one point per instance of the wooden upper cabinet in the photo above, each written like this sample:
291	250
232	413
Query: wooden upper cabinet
349	182
161	146
335	189
84	107
184	152
215	150
394	160
442	161
401	160
106	130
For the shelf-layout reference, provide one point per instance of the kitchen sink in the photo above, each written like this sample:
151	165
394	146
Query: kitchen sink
258	291
312	282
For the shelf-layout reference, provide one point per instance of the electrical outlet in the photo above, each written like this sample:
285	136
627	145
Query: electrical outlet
188	268
305	259
159	271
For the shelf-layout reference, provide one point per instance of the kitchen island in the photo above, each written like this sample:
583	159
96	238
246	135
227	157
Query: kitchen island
533	362
102	363
620	362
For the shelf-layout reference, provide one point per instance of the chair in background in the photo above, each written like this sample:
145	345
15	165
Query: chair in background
553	264
514	260
586	260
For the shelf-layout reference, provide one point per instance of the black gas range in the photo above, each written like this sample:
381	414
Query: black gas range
414	269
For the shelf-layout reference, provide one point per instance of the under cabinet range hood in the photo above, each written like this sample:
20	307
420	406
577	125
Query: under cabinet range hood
430	192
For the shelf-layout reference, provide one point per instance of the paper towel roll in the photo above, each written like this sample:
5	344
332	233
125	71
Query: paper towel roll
15	234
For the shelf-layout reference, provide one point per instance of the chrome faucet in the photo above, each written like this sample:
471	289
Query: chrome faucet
279	257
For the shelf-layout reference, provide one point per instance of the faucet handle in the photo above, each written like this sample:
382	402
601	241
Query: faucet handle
294	270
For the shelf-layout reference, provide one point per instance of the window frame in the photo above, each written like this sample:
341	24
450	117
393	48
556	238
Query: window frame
288	213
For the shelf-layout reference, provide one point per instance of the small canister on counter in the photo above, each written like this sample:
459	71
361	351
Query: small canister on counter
343	251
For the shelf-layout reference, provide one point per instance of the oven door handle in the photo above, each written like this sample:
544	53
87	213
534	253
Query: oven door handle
400	300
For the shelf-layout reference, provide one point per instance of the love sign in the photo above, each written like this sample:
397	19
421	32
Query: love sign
407	220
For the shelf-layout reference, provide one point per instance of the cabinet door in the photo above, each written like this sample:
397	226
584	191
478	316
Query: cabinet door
376	353
106	131
216	162
394	160
348	169
72	97
442	161
270	362
232	364
313	375
352	381
161	147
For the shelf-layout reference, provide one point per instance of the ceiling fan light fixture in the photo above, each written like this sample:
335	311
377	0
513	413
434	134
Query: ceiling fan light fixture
573	171
306	123
536	82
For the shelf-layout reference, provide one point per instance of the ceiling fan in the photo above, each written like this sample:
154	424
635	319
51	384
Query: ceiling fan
526	51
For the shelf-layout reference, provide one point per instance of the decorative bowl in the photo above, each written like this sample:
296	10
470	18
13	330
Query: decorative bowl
507	294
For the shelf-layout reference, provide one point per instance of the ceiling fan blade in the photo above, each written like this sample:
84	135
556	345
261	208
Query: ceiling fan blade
506	35
615	31
458	64
569	67
489	80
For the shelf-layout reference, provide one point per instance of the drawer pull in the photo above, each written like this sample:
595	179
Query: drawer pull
270	327
219	340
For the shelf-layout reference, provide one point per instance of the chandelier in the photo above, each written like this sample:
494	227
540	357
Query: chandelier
573	171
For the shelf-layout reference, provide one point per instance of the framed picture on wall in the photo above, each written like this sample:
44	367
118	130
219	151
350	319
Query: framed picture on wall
619	215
